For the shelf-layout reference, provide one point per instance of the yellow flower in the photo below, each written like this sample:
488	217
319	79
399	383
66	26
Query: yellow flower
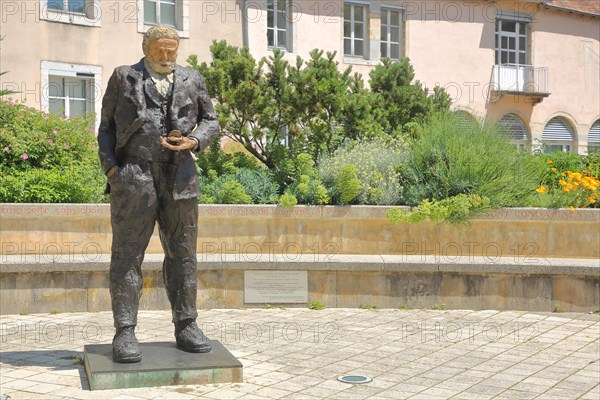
586	171
591	200
562	182
562	174
541	189
565	189
572	208
553	169
549	162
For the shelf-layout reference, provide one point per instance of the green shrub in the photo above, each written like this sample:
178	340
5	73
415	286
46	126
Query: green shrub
233	192
288	200
259	184
54	185
222	190
223	163
48	158
304	182
450	158
309	190
377	165
592	163
456	209
347	186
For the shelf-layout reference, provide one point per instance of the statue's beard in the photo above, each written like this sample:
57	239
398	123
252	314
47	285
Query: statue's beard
161	67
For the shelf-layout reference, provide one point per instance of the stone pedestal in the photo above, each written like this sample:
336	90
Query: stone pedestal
162	364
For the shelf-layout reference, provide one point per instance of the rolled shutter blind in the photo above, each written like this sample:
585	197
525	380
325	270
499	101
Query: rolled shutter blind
559	130
513	127
594	135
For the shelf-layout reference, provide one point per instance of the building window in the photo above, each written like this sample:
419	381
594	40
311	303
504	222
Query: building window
278	23
355	30
70	96
391	31
512	127
511	42
464	120
74	6
76	12
71	89
160	12
558	135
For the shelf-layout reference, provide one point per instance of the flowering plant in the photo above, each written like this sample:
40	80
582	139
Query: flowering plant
47	158
568	188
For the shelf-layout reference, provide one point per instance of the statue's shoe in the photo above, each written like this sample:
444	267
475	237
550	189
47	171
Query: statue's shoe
190	338
125	346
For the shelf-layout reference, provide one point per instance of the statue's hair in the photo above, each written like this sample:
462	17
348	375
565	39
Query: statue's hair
159	32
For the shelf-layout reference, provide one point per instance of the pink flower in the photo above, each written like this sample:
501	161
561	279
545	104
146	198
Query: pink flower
54	131
24	156
12	103
6	148
20	116
50	140
66	146
46	116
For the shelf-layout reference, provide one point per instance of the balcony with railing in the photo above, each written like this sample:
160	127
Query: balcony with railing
521	80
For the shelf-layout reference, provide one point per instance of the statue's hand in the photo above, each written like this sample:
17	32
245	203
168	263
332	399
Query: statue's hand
178	143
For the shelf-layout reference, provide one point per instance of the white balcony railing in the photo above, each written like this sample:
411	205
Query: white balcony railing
525	79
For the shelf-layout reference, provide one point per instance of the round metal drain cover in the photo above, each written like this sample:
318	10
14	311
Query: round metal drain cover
355	378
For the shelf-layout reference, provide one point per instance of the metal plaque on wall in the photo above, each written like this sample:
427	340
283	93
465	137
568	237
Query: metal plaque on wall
275	286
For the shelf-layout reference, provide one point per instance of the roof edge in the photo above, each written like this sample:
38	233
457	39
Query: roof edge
589	14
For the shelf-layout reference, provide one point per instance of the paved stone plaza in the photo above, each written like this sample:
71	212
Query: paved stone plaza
297	353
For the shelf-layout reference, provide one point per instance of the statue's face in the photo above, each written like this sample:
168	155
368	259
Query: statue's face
162	54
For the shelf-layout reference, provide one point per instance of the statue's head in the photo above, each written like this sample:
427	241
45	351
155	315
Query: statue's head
160	48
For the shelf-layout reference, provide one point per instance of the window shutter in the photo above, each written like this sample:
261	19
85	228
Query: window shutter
594	135
558	130
512	126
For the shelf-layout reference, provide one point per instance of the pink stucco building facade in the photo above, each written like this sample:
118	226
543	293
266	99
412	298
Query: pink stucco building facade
532	66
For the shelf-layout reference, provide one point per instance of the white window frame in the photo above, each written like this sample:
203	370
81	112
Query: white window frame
276	28
158	8
91	72
365	39
90	17
182	16
564	147
66	100
388	42
517	51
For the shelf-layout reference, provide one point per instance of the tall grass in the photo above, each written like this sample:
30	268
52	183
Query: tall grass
451	157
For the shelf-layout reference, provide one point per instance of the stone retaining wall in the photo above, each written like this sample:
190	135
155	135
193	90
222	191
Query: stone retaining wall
56	256
48	229
346	281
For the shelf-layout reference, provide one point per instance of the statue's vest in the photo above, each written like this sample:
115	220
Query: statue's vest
144	144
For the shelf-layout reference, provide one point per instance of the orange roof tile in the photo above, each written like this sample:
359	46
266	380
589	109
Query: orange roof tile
583	6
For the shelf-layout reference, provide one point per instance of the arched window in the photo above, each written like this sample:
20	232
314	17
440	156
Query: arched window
512	126
464	120
558	135
594	137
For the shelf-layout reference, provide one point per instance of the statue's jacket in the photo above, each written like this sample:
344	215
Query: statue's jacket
126	114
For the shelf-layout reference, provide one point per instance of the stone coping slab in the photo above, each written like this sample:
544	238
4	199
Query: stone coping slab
163	364
27	210
35	263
